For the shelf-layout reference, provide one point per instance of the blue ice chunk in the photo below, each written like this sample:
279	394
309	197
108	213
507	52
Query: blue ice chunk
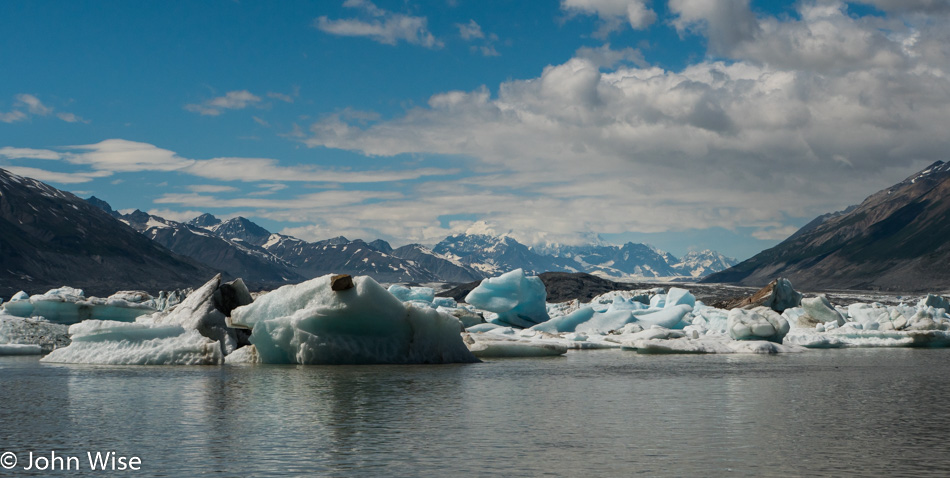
519	300
408	294
677	296
566	323
446	302
19	305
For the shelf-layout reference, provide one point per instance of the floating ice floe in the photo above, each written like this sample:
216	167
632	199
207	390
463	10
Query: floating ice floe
413	294
499	345
121	343
876	325
67	305
817	310
194	332
519	300
760	323
204	311
344	320
244	355
711	345
311	323
618	314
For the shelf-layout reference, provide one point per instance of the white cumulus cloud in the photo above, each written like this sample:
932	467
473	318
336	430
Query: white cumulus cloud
805	115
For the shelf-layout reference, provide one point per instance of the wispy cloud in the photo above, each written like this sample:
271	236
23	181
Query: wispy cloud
12	116
268	189
280	96
27	105
265	169
119	155
57	177
211	188
324	198
33	104
232	100
472	32
28	153
380	25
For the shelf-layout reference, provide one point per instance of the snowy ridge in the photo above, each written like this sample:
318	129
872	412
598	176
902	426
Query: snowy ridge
457	258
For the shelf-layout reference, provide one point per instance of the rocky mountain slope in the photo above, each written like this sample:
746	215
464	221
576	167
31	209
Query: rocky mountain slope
897	239
234	257
50	238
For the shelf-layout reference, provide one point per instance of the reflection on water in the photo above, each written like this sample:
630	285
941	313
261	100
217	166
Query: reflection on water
838	412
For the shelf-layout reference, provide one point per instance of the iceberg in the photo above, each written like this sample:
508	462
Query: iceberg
711	345
760	323
935	301
566	323
496	346
410	294
194	332
310	323
677	296
518	300
67	305
670	317
123	343
851	336
819	311
244	355
778	296
200	311
620	313
19	305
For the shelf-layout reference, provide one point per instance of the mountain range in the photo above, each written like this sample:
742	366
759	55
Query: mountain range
241	248
896	240
51	238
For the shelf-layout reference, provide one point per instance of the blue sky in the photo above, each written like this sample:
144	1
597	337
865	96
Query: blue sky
686	124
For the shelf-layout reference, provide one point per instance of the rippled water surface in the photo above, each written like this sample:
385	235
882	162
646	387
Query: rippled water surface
597	413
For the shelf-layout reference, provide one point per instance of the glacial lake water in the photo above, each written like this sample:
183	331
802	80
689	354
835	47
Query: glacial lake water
880	412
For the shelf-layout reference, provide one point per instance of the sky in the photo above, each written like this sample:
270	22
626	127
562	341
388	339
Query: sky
685	124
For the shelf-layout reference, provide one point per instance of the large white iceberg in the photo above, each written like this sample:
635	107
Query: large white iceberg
122	343
310	323
200	311
519	300
192	333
